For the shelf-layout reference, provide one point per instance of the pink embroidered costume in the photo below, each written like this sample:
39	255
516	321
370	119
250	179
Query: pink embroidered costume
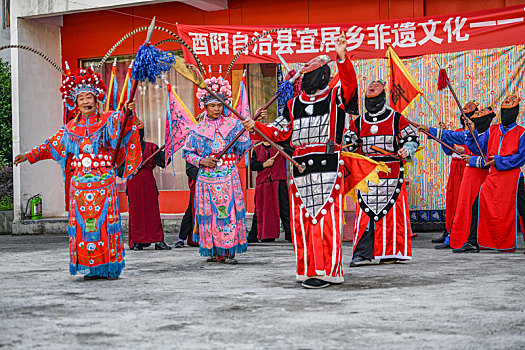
219	200
95	232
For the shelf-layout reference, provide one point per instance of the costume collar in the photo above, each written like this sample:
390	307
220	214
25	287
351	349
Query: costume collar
319	95
380	116
504	130
208	127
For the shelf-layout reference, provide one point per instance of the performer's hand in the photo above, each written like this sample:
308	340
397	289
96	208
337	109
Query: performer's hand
268	163
490	161
421	127
264	113
459	149
20	159
248	124
471	123
209	162
466	158
403	153
442	125
129	105
340	47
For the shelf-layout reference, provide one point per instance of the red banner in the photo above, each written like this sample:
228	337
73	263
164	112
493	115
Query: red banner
409	37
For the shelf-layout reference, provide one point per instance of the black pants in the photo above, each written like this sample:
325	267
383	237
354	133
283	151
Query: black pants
186	225
365	246
473	236
284	212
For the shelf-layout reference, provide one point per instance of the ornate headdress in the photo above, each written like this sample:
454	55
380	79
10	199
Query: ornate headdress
86	80
510	101
220	86
484	112
315	63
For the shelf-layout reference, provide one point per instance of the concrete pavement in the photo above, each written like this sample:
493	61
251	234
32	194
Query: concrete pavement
175	300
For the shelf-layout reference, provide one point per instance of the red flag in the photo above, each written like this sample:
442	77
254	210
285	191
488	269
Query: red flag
403	87
359	169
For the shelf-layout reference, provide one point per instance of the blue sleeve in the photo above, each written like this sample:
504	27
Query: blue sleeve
513	161
483	140
477	162
449	137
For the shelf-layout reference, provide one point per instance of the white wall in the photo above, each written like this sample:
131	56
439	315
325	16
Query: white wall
37	111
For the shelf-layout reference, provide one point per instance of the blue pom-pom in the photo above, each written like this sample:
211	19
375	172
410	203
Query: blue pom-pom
150	63
286	93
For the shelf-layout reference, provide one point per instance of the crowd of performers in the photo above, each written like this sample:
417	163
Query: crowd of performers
485	191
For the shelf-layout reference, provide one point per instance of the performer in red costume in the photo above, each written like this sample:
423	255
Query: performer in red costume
473	175
145	226
271	193
455	175
502	196
382	225
315	122
95	231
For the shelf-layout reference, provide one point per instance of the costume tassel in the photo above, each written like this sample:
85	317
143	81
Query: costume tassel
150	63
442	79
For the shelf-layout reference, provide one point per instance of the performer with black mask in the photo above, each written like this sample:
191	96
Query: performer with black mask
456	169
474	175
502	195
315	123
382	225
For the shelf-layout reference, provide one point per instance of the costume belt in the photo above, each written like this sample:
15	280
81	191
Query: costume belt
91	161
226	160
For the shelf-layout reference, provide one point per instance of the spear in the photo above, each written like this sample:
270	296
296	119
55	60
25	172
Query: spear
452	149
181	68
258	114
444	81
149	64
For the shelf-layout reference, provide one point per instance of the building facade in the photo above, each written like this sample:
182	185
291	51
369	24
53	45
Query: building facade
81	33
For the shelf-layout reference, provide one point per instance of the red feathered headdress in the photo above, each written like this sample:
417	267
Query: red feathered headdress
86	80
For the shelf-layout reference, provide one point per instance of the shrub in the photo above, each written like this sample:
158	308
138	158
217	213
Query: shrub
6	187
6	147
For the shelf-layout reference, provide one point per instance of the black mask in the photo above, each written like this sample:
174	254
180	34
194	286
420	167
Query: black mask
375	104
509	115
316	80
469	115
483	123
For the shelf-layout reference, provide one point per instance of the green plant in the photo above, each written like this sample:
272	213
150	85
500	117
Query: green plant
6	149
6	203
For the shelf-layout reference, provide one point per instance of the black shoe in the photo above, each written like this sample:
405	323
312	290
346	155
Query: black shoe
137	246
360	261
162	246
442	238
252	239
268	240
90	278
179	244
467	248
442	246
388	261
315	283
145	245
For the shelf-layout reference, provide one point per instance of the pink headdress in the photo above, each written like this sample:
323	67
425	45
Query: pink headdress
220	86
